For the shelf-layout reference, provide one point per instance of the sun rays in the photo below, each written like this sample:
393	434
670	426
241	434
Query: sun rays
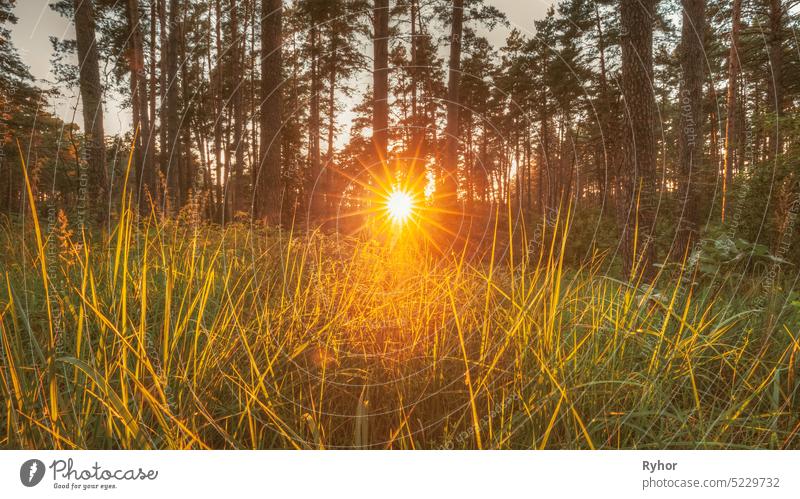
399	206
394	200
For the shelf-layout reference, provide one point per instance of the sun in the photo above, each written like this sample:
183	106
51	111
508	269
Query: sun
399	205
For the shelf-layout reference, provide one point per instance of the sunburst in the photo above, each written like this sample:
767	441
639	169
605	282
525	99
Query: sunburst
399	206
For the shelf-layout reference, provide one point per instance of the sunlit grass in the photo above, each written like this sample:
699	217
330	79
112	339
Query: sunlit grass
167	334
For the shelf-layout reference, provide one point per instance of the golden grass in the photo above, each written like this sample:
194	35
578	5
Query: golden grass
173	335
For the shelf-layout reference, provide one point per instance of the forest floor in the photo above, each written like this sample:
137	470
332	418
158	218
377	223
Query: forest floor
163	335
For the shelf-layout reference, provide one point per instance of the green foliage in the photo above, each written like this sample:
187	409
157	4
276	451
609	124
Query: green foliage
718	253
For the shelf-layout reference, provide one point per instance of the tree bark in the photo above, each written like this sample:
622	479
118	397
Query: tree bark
776	89
606	124
450	159
417	162
189	185
316	194
380	83
220	196
153	82
145	173
731	132
638	179
268	182
328	180
172	147
690	131
236	68
92	97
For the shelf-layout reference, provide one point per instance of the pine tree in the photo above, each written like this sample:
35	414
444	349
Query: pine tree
690	128
731	159
267	177
145	172
380	85
449	184
92	97
637	210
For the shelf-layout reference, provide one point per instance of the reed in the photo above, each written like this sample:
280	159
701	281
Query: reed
185	335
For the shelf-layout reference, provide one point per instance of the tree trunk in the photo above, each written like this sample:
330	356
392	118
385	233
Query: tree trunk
164	147
690	131
450	182
153	84
638	177
546	187
380	84
92	97
220	196
775	72
417	162
317	198
268	183
236	69
328	180
731	132
145	174
189	185
606	124
172	148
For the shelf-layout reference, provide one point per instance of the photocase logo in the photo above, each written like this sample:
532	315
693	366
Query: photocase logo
31	472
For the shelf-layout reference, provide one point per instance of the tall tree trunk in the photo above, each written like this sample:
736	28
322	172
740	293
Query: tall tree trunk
638	179
527	160
775	72
268	183
189	185
173	146
690	130
164	147
317	197
417	165
236	68
327	178
92	97
145	173
414	70
714	128
254	151
380	83
153	81
607	129
567	167
731	132
450	160
218	110
547	186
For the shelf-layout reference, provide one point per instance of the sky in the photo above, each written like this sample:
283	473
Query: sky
38	22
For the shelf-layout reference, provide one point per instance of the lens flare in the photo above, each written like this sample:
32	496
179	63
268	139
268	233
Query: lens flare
399	205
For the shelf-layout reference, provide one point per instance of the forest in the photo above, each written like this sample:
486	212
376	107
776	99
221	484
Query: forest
403	224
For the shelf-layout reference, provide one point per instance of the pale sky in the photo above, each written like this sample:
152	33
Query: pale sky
38	22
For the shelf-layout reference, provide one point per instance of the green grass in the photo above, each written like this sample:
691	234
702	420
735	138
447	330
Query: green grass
164	334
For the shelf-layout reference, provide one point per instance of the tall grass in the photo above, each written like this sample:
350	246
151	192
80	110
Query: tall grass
167	334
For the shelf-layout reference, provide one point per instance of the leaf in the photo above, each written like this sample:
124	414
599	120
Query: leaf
107	392
776	259
361	427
